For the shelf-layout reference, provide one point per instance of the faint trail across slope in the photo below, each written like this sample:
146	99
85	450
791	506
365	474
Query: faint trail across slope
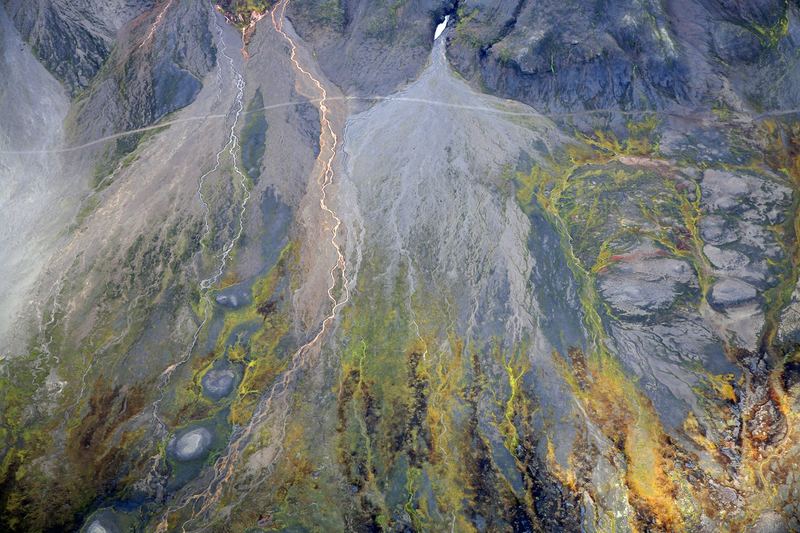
688	114
223	468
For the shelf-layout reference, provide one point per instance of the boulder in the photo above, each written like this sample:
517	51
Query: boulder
715	230
730	292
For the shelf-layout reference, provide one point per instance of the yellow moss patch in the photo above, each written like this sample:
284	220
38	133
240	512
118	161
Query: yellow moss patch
262	362
565	475
515	366
613	401
723	385
629	420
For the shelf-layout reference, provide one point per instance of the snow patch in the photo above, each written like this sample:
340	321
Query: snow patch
441	27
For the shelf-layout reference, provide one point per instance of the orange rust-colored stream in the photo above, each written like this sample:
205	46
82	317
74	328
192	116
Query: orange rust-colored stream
204	501
155	24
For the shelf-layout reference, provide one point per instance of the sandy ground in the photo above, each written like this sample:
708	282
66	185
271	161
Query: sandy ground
37	196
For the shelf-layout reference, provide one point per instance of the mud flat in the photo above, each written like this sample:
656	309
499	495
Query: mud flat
218	382
191	445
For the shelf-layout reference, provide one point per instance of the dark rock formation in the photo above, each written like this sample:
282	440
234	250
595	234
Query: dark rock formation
144	79
74	38
628	55
365	47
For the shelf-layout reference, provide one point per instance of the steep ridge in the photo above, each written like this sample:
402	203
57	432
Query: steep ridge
146	76
368	48
73	39
631	55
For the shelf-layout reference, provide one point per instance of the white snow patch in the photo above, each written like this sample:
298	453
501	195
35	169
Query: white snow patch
440	28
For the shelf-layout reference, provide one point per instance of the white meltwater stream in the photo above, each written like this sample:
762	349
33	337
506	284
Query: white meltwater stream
440	28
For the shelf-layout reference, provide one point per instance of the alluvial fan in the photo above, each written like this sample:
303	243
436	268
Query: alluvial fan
314	265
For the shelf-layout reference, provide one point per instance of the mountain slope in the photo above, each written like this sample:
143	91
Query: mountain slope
298	266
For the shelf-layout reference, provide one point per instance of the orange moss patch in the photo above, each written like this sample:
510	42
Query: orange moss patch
229	279
629	420
108	408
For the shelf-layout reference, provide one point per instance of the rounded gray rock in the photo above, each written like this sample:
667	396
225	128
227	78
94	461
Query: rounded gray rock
731	292
725	259
769	522
714	230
